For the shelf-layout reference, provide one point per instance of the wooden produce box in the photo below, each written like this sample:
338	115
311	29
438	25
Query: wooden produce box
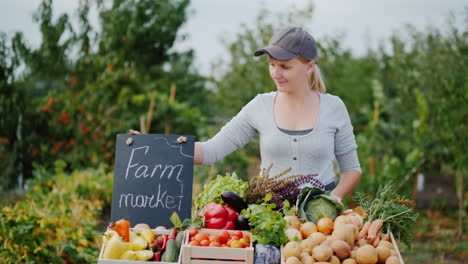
392	239
216	255
138	231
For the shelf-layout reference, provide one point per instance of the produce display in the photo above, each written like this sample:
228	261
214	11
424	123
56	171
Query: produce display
309	227
221	238
120	242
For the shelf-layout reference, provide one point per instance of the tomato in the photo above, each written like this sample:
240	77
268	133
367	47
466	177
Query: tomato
244	242
236	244
223	236
212	238
205	243
193	232
235	237
200	237
194	243
247	237
215	244
238	233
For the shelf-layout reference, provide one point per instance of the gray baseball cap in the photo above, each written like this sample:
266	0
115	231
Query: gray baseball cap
289	43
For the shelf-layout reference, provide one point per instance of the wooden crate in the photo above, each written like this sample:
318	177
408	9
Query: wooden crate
216	255
137	230
392	239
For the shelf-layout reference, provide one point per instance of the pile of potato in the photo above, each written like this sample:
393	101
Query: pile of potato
333	242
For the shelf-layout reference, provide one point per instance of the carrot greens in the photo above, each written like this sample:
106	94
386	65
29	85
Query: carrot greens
395	211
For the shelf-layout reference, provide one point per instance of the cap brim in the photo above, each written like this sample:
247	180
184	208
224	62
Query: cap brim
276	52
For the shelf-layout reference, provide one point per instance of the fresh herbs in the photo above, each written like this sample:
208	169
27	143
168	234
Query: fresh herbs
262	184
395	211
268	224
292	189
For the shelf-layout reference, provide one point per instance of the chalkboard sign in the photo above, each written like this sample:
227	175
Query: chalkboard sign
153	178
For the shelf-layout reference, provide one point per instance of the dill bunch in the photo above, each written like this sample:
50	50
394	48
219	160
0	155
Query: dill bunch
396	212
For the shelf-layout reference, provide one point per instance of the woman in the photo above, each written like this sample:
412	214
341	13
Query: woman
299	125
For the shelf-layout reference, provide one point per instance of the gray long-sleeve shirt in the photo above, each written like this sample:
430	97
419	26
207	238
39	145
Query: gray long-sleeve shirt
312	153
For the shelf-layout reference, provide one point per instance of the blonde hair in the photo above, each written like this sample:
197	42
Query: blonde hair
316	82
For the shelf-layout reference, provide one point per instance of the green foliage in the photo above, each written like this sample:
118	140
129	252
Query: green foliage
57	222
69	97
268	223
212	191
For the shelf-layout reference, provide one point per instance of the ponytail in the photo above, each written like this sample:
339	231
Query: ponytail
316	81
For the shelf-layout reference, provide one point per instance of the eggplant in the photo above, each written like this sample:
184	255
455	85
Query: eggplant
234	200
242	223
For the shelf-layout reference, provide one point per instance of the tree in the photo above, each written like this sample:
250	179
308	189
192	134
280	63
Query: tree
82	86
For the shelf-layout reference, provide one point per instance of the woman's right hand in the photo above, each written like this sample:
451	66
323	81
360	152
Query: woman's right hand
134	132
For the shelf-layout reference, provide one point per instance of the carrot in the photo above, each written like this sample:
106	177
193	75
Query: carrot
374	229
122	227
364	229
376	241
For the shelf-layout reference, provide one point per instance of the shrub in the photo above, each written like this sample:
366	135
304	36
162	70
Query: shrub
58	220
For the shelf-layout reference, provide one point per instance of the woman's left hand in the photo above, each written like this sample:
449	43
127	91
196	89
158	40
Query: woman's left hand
336	198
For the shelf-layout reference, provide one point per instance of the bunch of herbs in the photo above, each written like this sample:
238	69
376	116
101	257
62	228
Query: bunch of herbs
395	211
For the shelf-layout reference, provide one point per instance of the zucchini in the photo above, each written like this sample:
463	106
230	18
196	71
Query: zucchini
171	253
179	239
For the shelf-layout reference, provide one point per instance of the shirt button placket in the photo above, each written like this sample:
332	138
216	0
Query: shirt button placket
295	149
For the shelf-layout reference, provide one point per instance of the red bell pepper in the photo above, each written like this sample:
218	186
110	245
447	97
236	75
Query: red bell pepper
219	217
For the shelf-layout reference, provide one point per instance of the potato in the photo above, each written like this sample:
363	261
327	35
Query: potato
362	242
308	228
293	234
383	253
292	221
349	261
346	233
318	237
327	241
341	220
341	249
322	253
356	220
142	226
307	260
334	260
307	245
303	254
292	249
353	253
392	260
366	254
293	260
393	253
387	244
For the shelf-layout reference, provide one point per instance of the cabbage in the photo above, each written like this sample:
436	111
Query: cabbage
314	203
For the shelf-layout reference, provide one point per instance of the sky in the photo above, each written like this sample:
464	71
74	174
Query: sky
364	23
